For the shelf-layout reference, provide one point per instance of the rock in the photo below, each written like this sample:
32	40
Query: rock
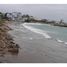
8	37
17	45
6	42
1	49
10	46
12	42
13	50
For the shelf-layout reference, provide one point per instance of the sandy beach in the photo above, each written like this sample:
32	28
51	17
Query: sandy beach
35	48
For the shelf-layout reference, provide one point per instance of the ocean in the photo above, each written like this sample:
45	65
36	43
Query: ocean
55	32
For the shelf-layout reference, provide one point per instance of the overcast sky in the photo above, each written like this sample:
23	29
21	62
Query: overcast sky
40	11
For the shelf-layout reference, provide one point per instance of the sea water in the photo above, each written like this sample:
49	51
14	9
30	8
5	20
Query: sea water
55	32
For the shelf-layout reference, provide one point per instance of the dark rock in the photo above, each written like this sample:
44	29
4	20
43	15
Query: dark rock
17	45
13	50
12	42
10	46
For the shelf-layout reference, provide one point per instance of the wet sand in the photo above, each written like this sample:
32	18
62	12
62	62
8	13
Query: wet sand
35	48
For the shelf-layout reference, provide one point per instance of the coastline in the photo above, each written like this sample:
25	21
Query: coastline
35	48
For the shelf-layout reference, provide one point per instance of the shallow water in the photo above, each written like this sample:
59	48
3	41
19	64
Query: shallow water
55	32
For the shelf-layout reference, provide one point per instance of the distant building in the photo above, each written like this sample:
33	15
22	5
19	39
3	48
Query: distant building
14	16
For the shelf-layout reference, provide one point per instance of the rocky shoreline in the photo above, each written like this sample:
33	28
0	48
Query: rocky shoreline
7	44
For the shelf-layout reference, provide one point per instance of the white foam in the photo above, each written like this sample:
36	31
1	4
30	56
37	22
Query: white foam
60	41
65	43
31	38
36	30
33	23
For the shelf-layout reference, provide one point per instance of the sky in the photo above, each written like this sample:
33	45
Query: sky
47	11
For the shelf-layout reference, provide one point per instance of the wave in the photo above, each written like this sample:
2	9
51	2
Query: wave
60	41
44	33
36	30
